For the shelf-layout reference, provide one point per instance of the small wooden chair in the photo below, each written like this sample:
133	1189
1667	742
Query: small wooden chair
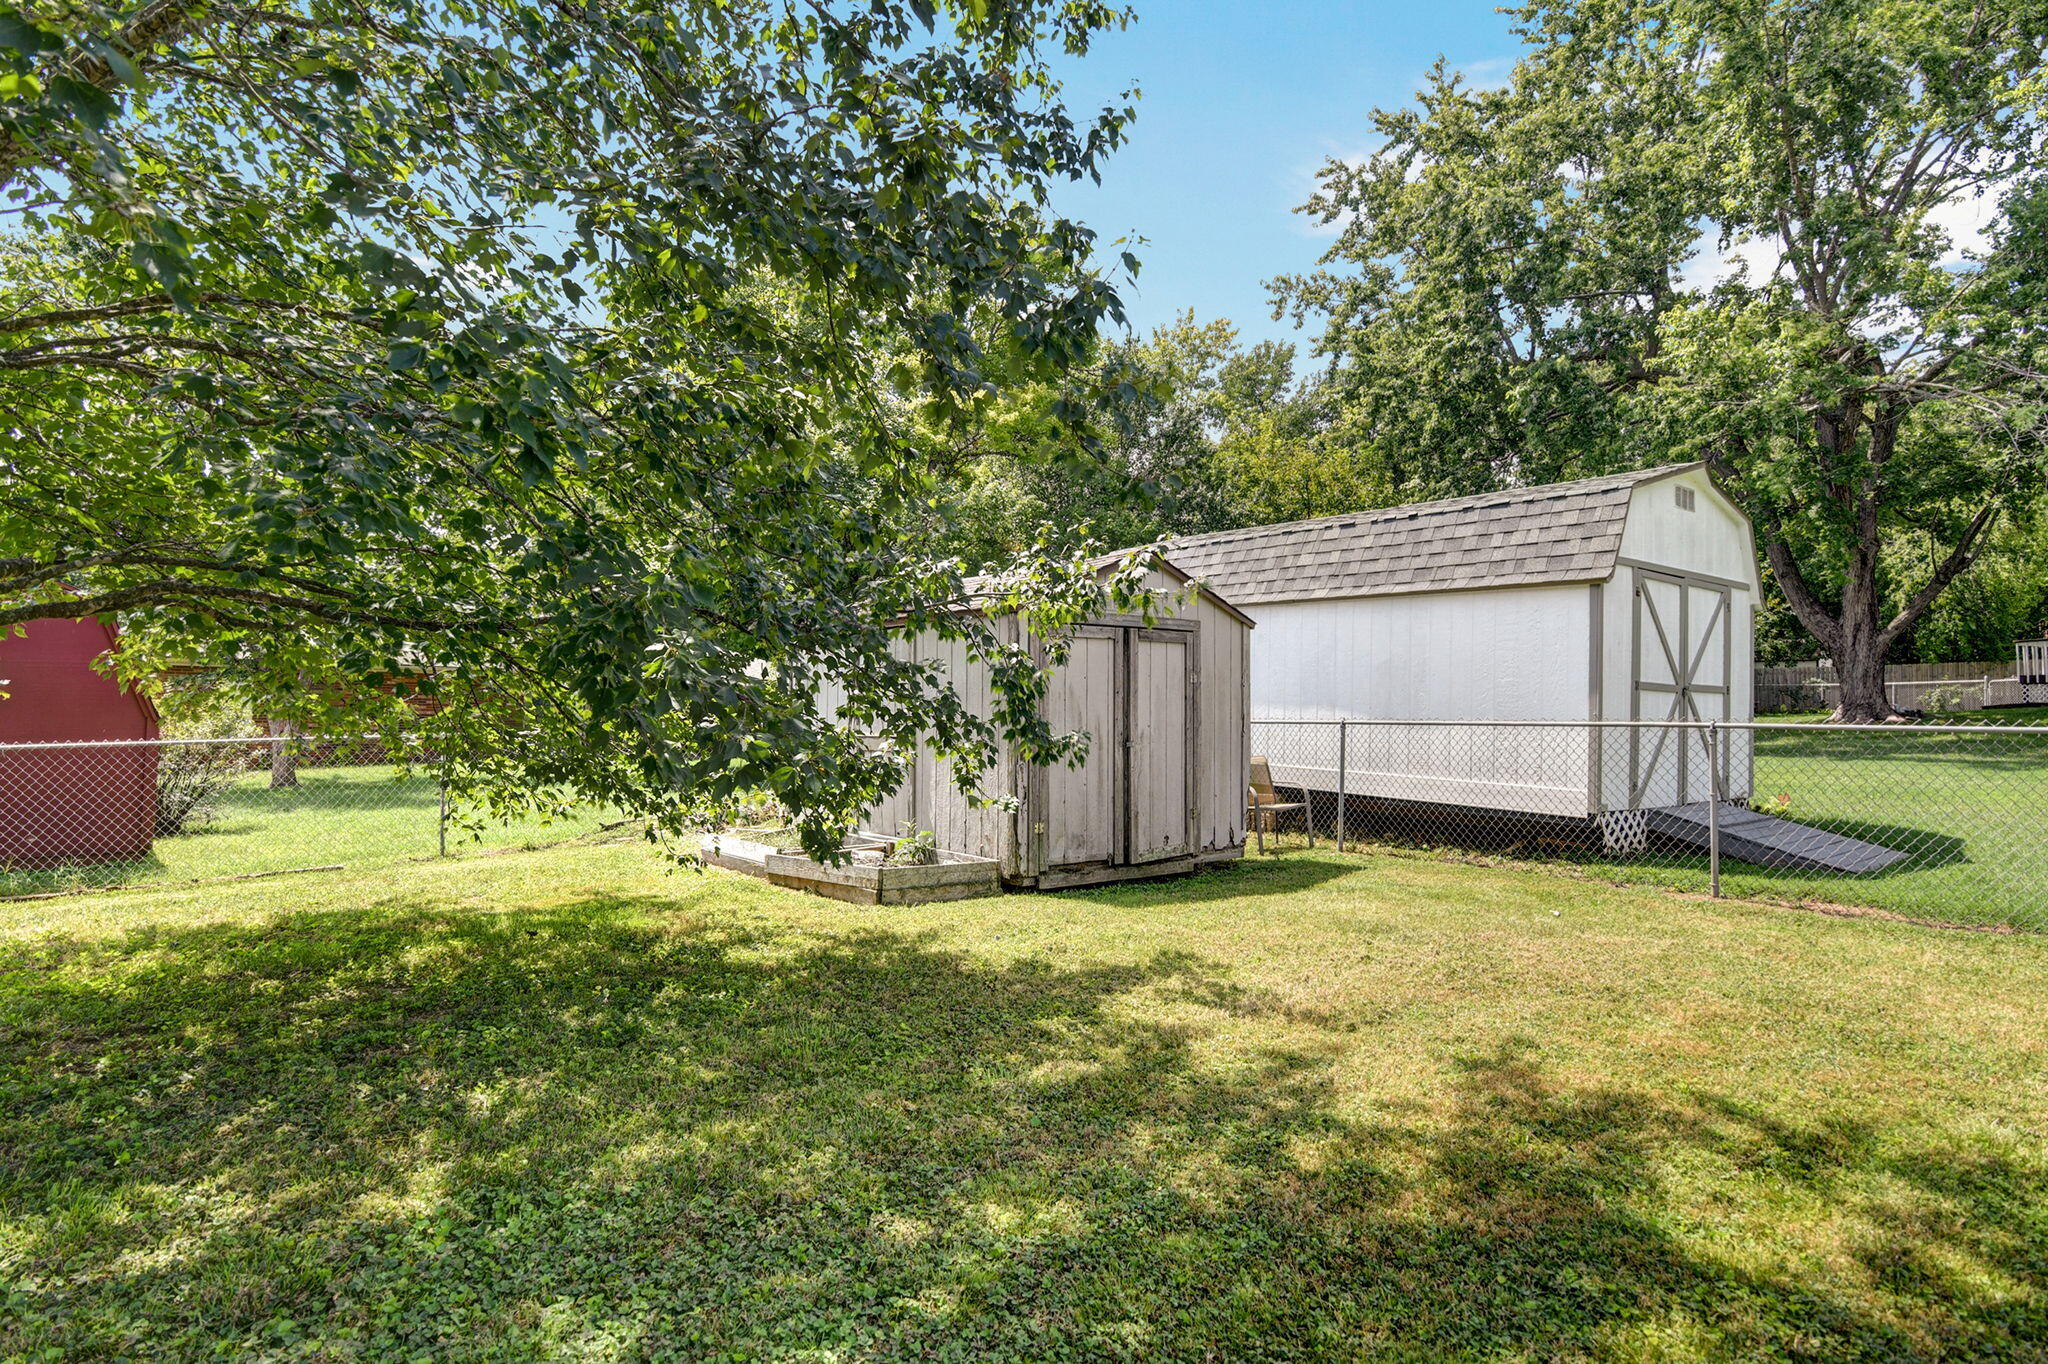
1266	803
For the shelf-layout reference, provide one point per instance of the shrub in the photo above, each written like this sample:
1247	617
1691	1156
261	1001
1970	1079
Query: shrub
191	777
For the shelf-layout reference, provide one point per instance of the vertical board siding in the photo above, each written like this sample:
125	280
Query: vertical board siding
955	820
1191	732
1710	541
1222	750
1515	653
893	812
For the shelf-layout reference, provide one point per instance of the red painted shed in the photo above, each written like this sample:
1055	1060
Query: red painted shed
68	805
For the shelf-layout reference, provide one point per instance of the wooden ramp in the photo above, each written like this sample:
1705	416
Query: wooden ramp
1767	841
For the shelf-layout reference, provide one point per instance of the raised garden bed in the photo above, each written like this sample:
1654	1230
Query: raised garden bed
869	879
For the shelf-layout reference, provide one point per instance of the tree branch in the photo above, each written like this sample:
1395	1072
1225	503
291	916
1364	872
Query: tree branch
1950	568
203	596
155	303
1813	613
160	21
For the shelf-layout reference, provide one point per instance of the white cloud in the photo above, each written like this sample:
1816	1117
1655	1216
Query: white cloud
1967	221
1710	265
1488	73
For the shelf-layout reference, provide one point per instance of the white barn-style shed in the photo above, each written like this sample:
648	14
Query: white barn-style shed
1624	597
1163	788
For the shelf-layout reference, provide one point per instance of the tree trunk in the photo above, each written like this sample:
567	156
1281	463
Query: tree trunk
284	755
1864	699
1863	641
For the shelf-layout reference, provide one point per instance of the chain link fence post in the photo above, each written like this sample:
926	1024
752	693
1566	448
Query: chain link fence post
444	806
1713	810
1343	771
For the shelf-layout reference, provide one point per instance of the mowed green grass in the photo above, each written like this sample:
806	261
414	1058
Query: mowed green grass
569	1105
353	816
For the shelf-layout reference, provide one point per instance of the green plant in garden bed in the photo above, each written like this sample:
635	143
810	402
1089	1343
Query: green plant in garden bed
915	847
568	1103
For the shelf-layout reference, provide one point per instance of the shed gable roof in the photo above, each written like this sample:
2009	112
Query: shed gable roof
1556	533
982	586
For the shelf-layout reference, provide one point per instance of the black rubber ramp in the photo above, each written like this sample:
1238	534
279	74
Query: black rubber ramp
1767	841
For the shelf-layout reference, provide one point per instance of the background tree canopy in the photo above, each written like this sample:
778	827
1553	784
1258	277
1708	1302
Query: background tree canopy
536	345
1517	301
1198	433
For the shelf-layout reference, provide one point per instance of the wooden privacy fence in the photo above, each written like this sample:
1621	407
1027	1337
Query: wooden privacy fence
1913	686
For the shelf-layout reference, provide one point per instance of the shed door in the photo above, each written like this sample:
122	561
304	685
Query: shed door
1083	805
1161	743
1684	643
1130	803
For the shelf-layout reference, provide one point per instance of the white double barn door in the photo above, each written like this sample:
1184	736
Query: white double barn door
1683	668
1131	803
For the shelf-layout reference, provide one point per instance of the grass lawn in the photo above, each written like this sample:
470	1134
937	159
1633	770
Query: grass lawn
566	1105
1972	813
356	816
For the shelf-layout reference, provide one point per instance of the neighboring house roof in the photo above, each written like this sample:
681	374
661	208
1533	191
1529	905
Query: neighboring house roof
1557	533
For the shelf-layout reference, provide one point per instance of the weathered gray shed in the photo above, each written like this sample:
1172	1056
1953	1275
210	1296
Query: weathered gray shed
1163	788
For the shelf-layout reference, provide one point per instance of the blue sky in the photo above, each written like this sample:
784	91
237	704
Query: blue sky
1242	102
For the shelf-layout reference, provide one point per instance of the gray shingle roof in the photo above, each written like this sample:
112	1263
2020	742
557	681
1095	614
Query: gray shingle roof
1558	533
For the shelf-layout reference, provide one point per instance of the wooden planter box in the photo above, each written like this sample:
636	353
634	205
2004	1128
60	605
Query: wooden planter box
955	876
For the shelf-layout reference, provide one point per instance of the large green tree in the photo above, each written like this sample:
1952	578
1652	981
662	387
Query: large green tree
1525	288
1283	448
535	344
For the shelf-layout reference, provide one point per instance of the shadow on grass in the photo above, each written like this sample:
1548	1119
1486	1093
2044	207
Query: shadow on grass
584	1129
1254	874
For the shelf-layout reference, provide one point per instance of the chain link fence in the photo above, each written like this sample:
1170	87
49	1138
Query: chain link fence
95	815
1945	823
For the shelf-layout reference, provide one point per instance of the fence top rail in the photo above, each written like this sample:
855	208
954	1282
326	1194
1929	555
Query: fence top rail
1793	684
2040	731
170	743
